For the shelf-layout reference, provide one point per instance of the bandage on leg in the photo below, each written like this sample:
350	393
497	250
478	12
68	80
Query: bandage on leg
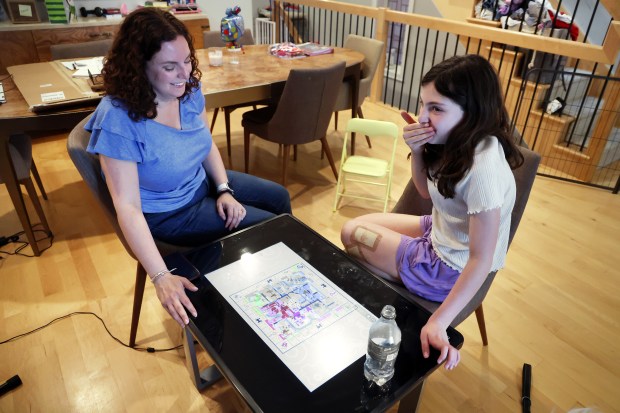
366	238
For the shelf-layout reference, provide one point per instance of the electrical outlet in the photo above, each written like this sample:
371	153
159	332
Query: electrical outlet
2	99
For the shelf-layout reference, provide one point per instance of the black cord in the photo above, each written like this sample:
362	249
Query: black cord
147	349
23	244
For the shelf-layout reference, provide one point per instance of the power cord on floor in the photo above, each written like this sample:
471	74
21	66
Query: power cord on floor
23	244
147	349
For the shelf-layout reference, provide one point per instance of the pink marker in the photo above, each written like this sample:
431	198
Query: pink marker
407	117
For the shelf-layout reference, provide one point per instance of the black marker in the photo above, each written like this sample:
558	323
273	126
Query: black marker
10	384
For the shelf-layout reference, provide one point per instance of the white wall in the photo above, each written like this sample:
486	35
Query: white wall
215	10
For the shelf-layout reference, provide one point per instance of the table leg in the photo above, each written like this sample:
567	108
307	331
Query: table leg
201	379
7	171
409	403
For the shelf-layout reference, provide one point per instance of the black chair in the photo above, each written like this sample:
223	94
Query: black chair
90	169
412	203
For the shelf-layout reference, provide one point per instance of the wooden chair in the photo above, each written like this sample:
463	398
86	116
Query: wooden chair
301	116
412	203
90	169
20	151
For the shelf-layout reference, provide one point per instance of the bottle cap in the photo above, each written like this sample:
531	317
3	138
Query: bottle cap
388	312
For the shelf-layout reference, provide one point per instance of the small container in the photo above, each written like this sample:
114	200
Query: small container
234	53
216	58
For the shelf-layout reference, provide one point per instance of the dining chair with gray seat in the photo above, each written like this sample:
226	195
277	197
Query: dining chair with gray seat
78	50
20	151
301	115
89	168
411	202
372	50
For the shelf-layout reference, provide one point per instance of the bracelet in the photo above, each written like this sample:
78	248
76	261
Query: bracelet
161	274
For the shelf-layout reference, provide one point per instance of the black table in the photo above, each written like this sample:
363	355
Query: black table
256	372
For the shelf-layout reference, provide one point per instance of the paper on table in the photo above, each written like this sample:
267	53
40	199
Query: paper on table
314	327
93	66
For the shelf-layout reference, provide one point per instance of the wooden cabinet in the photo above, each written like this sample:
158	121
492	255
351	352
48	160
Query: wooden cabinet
44	38
17	48
196	27
21	45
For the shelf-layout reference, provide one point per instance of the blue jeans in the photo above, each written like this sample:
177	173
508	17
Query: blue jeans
198	223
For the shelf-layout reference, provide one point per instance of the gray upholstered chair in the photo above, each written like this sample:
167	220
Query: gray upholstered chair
20	150
90	169
84	49
372	50
213	39
412	203
301	116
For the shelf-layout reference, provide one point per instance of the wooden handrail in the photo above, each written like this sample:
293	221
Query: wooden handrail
605	54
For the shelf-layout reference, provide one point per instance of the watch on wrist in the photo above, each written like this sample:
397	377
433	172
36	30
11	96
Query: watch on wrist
223	188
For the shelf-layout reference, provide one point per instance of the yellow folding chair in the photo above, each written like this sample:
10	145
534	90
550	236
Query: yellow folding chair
365	169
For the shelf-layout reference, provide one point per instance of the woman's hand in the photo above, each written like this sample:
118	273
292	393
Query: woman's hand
171	292
436	336
416	134
230	210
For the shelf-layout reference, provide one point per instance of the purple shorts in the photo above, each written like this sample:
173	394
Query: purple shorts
419	267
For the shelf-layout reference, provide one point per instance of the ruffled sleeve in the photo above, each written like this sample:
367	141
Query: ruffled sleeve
114	134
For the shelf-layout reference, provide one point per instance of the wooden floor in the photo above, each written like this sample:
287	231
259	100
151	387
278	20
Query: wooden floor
555	305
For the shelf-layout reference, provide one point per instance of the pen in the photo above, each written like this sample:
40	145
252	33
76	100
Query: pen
526	402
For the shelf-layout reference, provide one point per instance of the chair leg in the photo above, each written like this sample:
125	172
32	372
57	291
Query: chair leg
285	155
20	207
336	120
137	303
361	115
214	118
227	121
246	149
481	325
295	153
330	158
35	173
32	193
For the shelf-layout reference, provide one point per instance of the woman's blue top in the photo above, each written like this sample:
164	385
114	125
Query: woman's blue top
169	160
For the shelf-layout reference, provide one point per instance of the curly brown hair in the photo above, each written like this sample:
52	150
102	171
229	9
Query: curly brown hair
472	83
124	70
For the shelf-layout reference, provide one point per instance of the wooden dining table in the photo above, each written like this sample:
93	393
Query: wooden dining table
251	79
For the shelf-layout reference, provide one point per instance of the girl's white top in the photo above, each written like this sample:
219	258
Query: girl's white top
489	184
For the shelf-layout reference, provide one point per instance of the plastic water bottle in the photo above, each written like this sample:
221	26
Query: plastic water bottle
383	344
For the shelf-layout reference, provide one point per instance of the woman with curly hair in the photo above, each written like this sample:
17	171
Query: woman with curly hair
461	157
163	170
